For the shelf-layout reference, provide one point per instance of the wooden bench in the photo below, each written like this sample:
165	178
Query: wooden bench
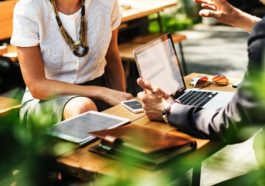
11	53
126	52
3	50
7	105
126	49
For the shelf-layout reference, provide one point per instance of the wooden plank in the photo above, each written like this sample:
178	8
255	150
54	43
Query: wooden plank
11	53
126	49
3	50
7	105
6	18
142	8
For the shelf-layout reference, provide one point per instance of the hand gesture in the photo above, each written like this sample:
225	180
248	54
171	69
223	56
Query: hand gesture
227	14
219	9
153	99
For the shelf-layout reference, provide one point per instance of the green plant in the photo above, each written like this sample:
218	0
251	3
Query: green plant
171	23
28	155
182	17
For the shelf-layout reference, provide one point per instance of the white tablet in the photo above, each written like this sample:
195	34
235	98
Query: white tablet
76	129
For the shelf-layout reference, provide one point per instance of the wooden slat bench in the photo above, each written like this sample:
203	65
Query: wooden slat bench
7	105
126	52
126	49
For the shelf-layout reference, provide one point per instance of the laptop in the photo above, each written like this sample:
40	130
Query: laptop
157	63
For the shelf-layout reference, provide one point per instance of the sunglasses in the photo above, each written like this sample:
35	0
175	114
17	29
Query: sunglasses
203	81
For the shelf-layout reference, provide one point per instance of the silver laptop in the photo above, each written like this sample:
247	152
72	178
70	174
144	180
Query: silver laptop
157	62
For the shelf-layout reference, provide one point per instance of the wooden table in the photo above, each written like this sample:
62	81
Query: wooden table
86	165
143	8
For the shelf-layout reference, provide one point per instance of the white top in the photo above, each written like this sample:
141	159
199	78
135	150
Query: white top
35	24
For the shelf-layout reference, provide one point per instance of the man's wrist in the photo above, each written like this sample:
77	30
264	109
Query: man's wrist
166	112
247	22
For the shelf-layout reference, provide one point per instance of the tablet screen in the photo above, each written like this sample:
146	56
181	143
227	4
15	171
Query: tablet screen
76	129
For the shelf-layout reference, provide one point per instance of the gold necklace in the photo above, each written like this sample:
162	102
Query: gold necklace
79	48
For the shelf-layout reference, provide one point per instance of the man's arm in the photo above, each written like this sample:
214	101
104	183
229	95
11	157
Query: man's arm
245	109
227	14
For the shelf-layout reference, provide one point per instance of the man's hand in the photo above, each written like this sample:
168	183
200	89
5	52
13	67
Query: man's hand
219	9
153	99
147	87
225	13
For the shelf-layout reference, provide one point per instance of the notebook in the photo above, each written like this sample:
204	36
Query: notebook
157	62
76	129
141	146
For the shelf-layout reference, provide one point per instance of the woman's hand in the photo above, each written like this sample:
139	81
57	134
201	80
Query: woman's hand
114	97
225	13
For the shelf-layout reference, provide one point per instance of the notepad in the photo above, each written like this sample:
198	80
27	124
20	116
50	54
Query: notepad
76	129
146	147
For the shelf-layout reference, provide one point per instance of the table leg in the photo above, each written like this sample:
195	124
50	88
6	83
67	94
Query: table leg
160	23
183	61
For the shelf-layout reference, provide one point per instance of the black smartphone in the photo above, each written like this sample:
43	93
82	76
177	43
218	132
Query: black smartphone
133	106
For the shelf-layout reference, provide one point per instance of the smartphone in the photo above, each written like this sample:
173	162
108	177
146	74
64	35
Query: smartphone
133	106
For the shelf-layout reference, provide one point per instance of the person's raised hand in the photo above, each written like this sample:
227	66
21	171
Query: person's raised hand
153	104
153	99
147	87
225	13
222	10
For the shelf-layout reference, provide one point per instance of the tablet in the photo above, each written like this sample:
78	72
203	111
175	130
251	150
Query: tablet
76	129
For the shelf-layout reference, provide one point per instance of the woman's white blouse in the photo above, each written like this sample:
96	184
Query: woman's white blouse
35	24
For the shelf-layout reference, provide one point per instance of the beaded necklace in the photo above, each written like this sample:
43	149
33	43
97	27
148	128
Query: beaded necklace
79	48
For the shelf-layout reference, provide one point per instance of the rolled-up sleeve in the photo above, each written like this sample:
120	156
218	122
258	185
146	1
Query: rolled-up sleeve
116	15
25	25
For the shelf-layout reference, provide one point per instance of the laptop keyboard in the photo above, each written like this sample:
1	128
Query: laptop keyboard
197	98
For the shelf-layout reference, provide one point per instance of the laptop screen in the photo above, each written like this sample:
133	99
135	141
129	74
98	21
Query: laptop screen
157	63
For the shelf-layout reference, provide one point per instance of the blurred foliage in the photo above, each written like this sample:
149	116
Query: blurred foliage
27	154
171	24
181	17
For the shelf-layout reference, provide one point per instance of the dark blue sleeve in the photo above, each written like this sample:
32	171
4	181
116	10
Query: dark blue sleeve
256	45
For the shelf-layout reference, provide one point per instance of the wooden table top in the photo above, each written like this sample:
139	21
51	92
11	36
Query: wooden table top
84	164
134	9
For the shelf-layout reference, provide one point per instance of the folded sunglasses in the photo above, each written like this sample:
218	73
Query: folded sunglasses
203	81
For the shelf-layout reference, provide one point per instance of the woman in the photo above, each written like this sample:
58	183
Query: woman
68	55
